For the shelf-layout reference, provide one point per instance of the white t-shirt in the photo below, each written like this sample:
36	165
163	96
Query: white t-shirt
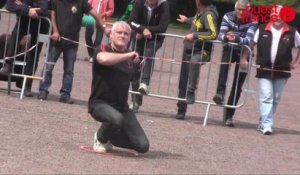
275	40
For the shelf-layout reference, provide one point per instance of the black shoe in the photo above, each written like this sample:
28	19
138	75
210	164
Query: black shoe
229	122
19	84
28	93
42	96
219	99
66	99
6	69
190	99
180	115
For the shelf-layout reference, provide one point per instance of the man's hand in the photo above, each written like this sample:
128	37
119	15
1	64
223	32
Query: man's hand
55	36
147	34
134	57
181	18
295	62
33	12
230	36
189	37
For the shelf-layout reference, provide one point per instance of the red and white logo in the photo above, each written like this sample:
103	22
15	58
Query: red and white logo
266	14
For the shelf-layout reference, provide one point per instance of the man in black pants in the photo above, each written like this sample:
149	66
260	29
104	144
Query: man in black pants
203	27
112	70
27	11
233	29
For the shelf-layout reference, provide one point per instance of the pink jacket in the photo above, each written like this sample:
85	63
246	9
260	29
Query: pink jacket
106	8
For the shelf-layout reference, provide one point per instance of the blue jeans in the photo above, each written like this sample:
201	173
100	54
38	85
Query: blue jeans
121	128
269	96
69	58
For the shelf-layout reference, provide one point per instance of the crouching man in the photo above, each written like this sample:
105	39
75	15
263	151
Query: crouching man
112	70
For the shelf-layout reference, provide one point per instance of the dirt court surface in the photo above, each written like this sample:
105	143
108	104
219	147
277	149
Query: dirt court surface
45	137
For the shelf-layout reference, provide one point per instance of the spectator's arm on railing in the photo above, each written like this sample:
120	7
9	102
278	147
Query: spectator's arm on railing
18	7
249	35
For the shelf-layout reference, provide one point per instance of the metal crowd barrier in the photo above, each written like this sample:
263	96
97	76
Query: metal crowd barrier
166	72
10	23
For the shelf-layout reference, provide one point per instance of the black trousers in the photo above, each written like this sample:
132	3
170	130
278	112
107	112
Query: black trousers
183	79
231	54
122	129
89	32
18	33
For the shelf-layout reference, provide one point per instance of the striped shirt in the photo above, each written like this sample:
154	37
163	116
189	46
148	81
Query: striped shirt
244	32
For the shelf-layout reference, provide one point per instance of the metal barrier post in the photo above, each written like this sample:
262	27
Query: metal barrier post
43	37
166	89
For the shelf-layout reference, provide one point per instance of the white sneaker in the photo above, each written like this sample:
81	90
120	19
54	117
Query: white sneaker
143	89
260	128
101	147
134	107
91	59
267	131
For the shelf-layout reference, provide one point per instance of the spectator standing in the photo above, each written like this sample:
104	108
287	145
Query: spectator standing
275	41
203	28
236	30
104	9
148	18
66	17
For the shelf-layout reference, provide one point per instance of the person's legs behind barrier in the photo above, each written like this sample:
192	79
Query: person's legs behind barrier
45	84
147	70
183	82
196	62
69	57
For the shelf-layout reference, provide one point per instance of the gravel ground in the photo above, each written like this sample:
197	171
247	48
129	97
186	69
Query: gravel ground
45	137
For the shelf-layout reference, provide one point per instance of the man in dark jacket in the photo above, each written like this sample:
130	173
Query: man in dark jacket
203	28
148	18
28	13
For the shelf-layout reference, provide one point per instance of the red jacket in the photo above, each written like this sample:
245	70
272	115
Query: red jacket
105	10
